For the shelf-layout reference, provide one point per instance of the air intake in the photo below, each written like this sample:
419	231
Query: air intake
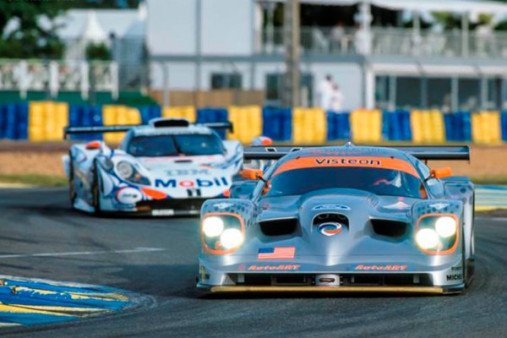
279	227
389	228
330	218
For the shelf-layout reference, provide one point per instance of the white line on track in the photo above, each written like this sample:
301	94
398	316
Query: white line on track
82	253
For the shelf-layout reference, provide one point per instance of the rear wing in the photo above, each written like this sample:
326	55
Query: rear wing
424	153
157	123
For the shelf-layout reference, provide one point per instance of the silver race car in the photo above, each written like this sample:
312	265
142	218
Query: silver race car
169	167
348	218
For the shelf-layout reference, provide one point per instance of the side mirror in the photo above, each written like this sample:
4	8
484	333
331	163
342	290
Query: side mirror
251	174
441	172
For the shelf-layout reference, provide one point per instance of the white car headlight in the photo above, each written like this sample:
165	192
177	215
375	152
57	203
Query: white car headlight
427	239
213	226
125	169
231	238
445	226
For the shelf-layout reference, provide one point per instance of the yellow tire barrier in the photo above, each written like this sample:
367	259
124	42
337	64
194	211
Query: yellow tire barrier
247	122
188	113
114	115
486	127
309	126
366	126
427	126
46	120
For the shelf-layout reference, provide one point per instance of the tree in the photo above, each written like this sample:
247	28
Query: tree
31	39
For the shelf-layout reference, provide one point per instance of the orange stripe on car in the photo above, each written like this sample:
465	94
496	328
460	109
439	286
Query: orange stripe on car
155	194
348	161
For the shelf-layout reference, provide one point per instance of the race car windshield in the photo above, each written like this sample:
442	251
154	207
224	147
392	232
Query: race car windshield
175	145
378	181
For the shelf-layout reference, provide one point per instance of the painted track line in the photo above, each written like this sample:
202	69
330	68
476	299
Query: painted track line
82	253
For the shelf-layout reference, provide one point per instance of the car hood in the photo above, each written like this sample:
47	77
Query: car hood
356	238
180	165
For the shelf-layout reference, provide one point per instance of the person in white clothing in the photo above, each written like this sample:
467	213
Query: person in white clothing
336	99
326	92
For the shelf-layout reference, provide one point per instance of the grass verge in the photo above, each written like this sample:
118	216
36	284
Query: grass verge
35	180
490	180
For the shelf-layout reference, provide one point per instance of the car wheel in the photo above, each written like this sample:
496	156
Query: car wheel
96	190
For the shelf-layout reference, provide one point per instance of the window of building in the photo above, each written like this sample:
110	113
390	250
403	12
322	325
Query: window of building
408	92
439	93
226	81
275	85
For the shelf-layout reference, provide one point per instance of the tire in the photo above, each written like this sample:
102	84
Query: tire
96	190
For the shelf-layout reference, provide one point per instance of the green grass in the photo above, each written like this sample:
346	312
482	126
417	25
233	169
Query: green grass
490	180
35	180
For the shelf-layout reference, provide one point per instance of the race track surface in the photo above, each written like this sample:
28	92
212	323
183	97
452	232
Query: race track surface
41	237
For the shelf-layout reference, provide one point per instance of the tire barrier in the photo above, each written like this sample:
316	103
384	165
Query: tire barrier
247	122
366	126
458	127
277	123
427	126
396	125
113	115
14	121
206	115
149	112
486	128
309	126
85	116
338	126
45	120
188	113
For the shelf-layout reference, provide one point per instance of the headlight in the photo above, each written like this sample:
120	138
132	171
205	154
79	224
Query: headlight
125	169
213	226
427	239
445	226
222	233
231	238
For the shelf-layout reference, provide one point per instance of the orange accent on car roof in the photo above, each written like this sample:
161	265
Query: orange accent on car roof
348	161
155	194
93	145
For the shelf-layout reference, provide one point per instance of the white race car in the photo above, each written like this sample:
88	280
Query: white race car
169	167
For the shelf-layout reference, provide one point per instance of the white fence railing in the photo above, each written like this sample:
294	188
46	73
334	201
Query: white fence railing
480	43
56	76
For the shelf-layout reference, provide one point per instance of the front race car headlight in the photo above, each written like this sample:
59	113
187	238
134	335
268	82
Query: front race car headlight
129	173
231	238
125	169
437	234
445	226
222	233
213	226
427	239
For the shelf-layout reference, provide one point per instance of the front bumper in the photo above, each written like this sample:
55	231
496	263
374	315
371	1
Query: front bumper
337	289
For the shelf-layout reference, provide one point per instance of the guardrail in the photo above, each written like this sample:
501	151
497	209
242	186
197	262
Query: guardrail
45	120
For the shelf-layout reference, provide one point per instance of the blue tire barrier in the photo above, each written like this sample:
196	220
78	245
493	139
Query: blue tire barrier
150	112
503	124
458	126
396	126
14	121
338	126
277	123
205	115
86	116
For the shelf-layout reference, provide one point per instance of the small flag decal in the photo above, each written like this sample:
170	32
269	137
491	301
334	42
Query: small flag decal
276	253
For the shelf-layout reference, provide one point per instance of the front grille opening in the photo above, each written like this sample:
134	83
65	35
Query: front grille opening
373	279
279	227
389	228
330	218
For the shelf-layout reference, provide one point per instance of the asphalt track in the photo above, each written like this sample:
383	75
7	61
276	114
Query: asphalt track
41	237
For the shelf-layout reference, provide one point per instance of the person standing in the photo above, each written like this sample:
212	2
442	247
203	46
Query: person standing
326	92
336	99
